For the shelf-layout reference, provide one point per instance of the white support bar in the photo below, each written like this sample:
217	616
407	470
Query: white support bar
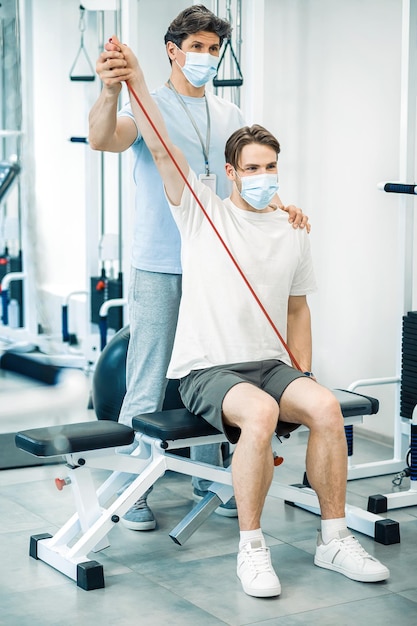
11	277
109	304
386	466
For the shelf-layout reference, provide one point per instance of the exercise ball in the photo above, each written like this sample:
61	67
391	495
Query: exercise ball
109	380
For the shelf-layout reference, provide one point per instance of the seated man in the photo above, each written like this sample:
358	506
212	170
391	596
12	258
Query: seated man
234	369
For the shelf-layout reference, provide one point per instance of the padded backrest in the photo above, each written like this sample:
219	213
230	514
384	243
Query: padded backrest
109	381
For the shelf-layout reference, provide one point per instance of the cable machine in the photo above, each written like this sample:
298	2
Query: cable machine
106	289
104	204
405	422
82	69
11	257
406	418
229	74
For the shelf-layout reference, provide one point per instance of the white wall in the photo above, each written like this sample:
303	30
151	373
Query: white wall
324	75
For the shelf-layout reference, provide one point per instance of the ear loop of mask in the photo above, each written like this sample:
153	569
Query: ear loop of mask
175	60
235	263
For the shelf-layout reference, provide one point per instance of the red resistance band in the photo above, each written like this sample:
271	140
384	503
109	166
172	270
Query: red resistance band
235	263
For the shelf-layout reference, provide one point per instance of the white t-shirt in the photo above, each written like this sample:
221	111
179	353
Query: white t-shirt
219	320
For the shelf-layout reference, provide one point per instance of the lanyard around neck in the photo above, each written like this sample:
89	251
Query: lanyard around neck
205	147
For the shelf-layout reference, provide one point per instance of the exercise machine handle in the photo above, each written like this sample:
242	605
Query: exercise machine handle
398	188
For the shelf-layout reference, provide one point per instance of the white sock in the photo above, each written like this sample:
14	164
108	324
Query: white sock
249	535
330	528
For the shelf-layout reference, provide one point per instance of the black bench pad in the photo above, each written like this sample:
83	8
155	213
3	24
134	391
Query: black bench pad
353	403
172	425
168	425
68	438
180	423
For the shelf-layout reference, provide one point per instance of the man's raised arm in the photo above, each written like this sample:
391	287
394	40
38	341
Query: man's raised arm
128	69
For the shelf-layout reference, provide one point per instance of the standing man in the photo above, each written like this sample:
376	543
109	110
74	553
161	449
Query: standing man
200	123
234	371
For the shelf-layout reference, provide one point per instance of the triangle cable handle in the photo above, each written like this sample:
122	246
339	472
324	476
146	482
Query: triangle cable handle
82	51
82	78
229	82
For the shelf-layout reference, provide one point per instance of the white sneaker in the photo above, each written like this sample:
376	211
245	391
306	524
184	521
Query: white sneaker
255	570
346	556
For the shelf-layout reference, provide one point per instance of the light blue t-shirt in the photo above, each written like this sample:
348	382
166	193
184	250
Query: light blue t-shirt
156	240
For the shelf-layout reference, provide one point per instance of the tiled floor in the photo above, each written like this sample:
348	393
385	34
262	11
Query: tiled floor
151	580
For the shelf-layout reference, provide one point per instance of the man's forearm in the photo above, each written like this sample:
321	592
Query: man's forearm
103	121
299	337
169	160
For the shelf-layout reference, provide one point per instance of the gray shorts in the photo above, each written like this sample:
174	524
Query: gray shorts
203	391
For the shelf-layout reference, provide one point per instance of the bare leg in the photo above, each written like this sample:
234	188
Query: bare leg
256	413
308	403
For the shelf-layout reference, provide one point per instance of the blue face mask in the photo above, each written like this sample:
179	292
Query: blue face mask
199	68
258	190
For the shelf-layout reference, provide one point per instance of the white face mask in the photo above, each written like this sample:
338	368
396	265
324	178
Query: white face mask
258	190
199	67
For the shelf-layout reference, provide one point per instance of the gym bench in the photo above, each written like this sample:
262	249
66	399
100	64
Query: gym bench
100	445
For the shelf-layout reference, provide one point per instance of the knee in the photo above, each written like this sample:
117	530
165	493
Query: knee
326	413
263	419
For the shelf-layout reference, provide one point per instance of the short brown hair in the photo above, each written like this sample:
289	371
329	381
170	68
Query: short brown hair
245	136
193	20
